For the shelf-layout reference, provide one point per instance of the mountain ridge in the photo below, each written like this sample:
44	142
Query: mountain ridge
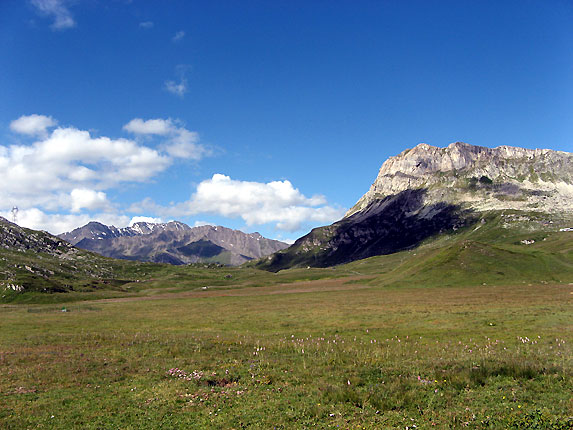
511	177
169	243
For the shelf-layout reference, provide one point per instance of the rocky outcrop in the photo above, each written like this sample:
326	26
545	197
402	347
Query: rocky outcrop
16	238
479	178
173	242
32	260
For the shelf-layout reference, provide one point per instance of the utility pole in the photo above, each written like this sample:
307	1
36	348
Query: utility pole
15	214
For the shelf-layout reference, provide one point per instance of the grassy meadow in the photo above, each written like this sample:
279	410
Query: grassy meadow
469	330
318	354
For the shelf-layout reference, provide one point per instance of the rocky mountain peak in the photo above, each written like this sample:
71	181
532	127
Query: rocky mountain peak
511	177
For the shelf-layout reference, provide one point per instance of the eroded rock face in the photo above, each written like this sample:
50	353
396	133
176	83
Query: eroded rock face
16	238
479	178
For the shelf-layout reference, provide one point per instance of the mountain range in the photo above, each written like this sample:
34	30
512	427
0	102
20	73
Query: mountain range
450	215
173	242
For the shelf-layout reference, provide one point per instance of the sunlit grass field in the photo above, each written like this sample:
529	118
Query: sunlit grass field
327	353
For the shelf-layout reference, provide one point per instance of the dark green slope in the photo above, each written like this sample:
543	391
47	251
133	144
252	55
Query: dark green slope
492	252
392	224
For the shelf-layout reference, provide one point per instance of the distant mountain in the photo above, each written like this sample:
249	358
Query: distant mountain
173	242
425	191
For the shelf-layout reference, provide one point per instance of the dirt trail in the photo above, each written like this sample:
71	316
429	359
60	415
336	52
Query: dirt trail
320	285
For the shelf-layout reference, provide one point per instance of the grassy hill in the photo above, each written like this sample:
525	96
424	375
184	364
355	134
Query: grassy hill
504	249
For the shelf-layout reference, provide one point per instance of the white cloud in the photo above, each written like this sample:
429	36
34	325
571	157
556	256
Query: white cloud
180	143
77	152
256	203
178	36
179	89
69	170
83	198
63	178
147	219
38	219
151	126
202	223
187	150
58	11
146	24
33	125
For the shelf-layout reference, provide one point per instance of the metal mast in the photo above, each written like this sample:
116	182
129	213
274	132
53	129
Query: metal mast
15	214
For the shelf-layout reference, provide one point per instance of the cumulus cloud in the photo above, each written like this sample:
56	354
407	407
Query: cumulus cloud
180	142
178	36
57	10
62	180
147	219
151	126
257	203
146	24
115	160
68	170
33	125
46	172
84	198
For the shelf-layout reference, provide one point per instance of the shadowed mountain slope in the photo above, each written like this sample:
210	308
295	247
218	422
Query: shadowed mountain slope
392	224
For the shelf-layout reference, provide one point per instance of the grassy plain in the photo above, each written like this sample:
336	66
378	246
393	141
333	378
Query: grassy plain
468	330
326	353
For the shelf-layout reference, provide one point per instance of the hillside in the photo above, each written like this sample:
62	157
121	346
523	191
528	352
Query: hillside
35	261
173	242
503	248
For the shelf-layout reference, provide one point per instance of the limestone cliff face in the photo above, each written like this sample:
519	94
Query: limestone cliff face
479	178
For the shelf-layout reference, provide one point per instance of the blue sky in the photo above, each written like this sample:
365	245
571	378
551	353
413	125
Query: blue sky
269	116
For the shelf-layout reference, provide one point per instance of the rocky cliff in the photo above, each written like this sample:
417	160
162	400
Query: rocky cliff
16	238
480	178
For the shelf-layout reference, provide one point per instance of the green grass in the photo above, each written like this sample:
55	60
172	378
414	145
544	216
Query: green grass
468	330
486	254
436	357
